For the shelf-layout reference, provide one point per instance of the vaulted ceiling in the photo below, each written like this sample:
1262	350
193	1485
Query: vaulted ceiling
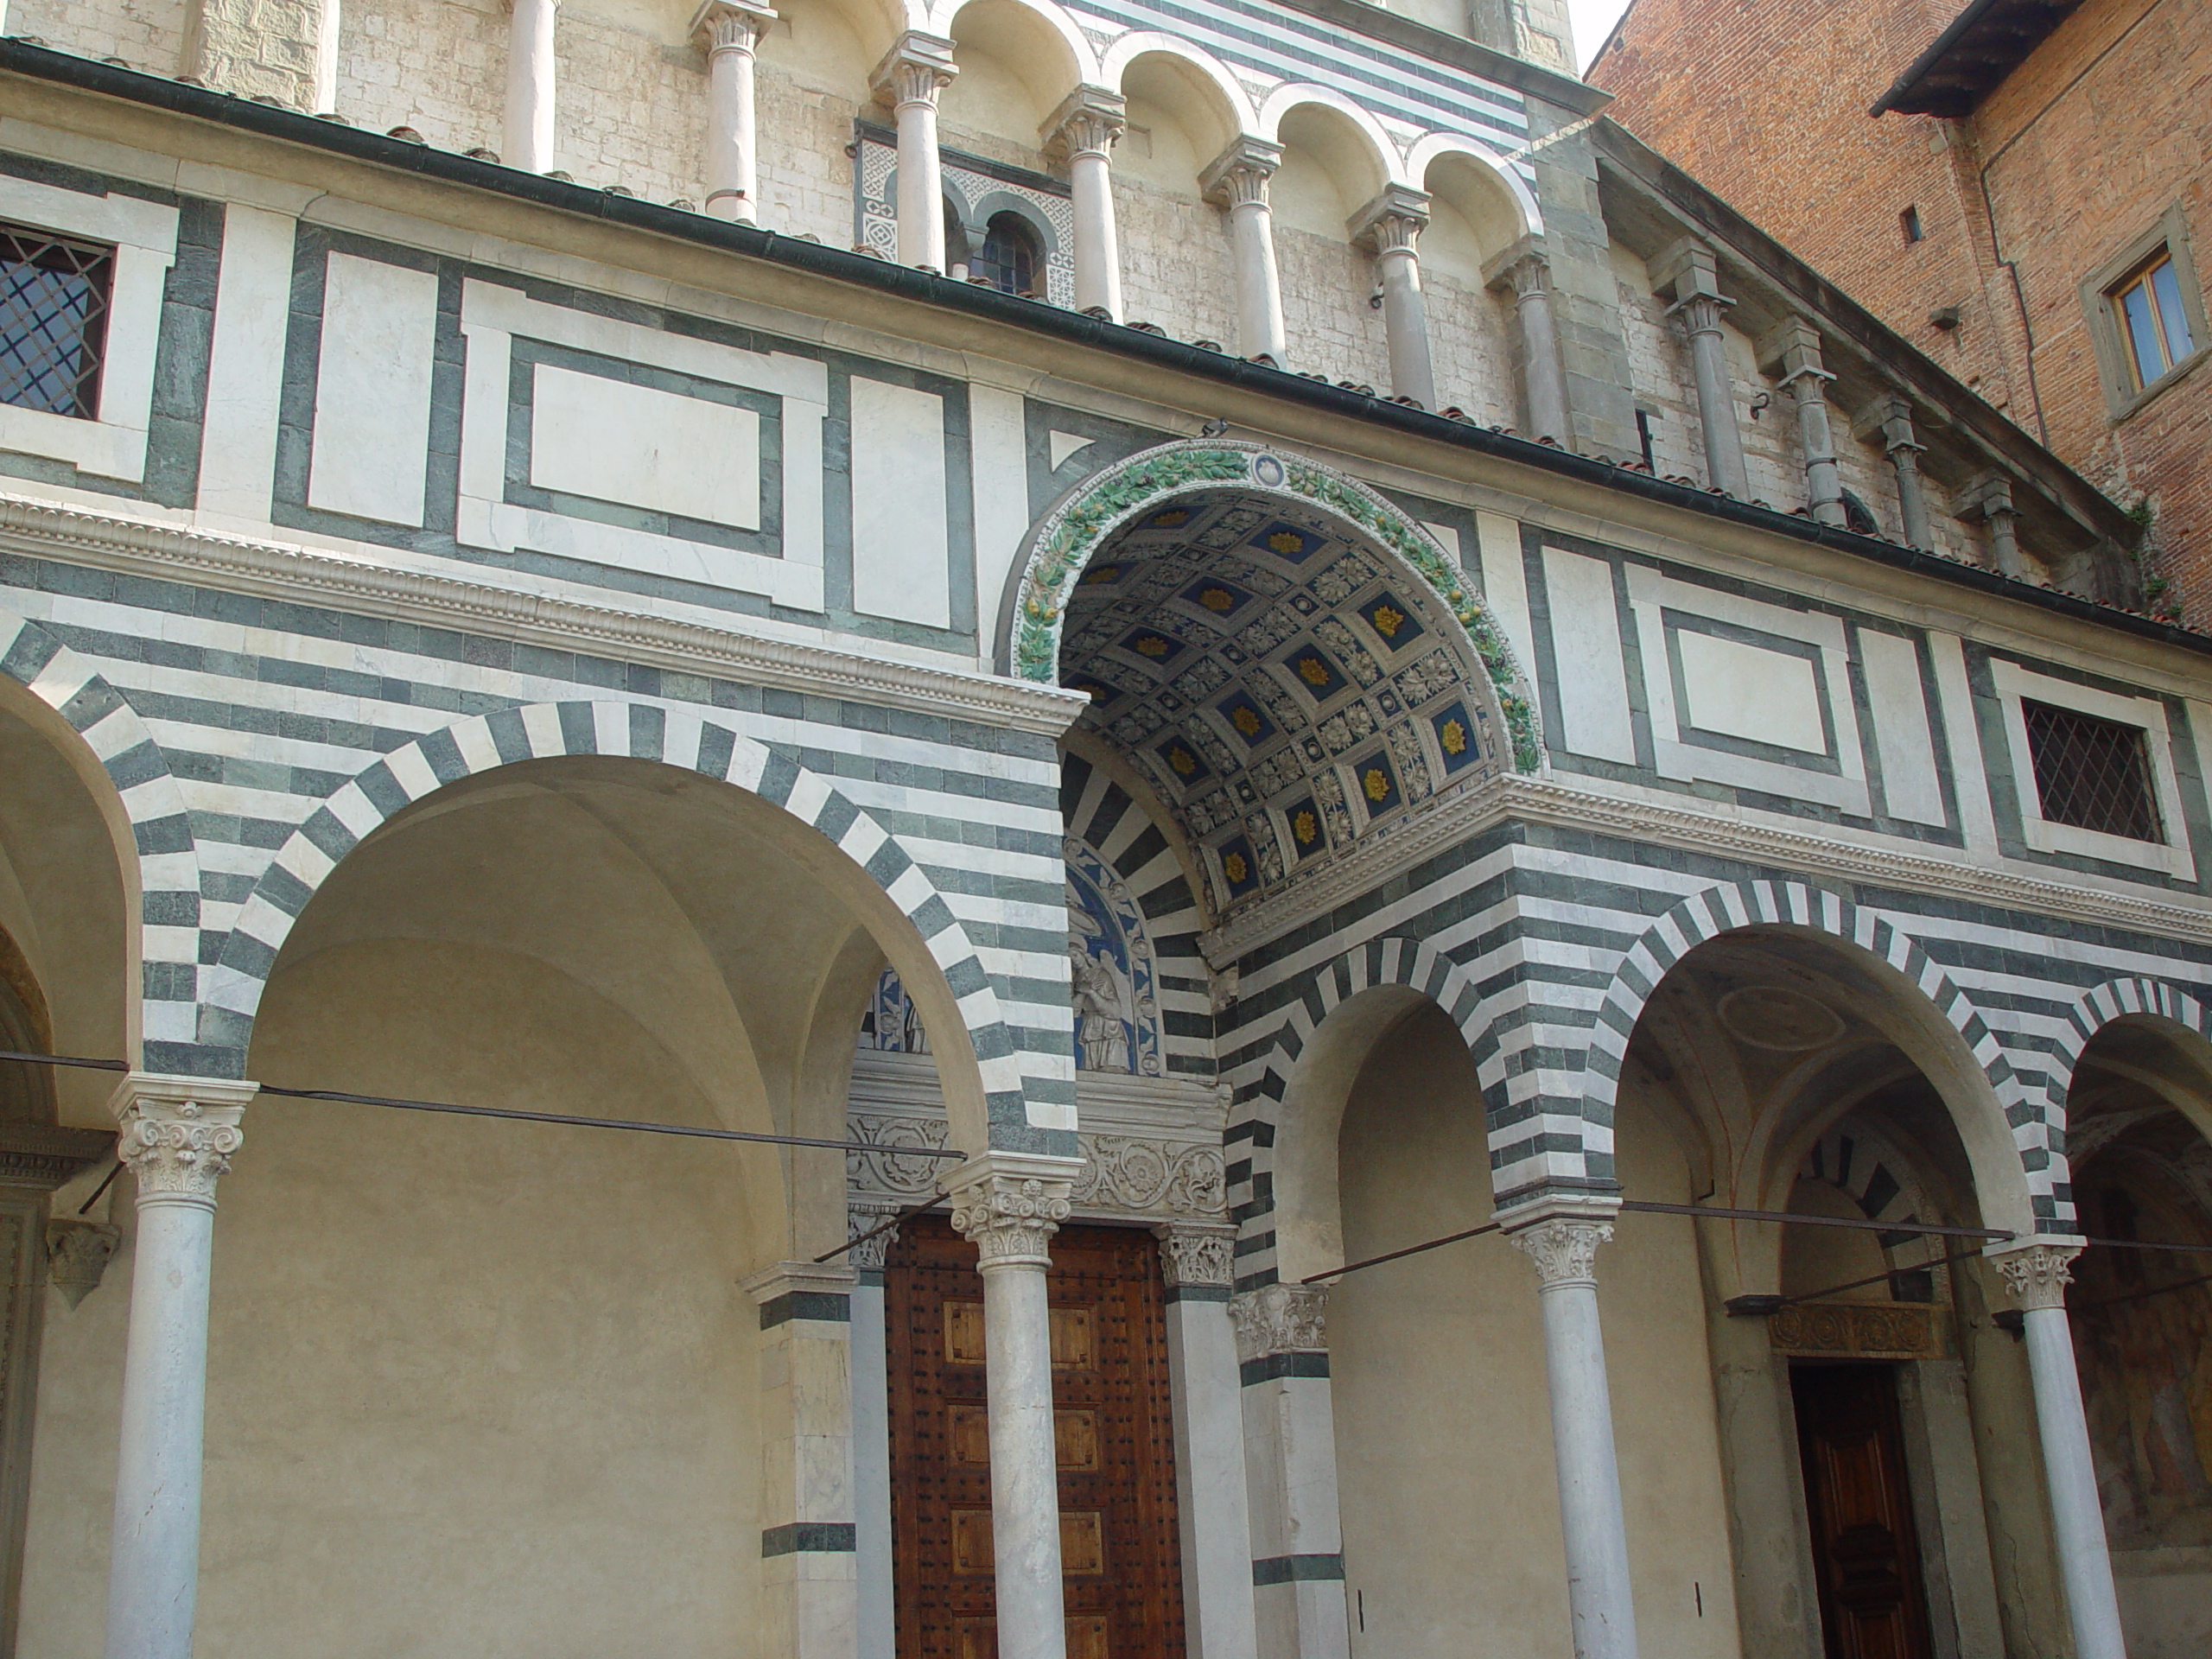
1289	689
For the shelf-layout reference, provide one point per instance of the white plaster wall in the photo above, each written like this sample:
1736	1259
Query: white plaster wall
1453	1532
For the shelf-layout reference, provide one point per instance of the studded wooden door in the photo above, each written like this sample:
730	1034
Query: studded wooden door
1119	1547
1867	1563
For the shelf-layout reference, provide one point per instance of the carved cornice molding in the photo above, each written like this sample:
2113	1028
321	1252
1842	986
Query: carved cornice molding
297	575
44	1155
1132	1176
1546	800
179	1134
1280	1320
2037	1274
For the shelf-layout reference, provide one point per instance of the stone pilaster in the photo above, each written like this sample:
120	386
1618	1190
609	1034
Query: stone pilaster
1290	1441
807	1532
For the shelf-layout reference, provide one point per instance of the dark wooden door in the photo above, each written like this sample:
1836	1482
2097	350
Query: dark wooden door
1872	1602
1119	1547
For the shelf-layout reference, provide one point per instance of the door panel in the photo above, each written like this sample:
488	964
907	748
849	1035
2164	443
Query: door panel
1120	1550
1873	1604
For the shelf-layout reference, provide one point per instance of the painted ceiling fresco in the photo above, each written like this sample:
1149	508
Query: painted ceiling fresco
1288	688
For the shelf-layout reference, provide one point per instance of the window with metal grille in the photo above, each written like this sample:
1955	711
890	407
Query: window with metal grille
1009	257
2091	774
54	305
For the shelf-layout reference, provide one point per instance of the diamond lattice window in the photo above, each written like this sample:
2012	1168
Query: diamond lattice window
54	305
2091	774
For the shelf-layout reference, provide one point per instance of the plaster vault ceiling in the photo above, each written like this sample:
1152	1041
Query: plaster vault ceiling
1288	688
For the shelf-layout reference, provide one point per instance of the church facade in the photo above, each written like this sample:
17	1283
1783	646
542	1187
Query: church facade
1081	834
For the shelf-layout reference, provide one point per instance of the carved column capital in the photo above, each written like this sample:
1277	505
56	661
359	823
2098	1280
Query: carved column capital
1089	121
178	1134
1391	223
862	1215
1564	1249
1197	1255
914	70
1280	1320
2037	1273
1010	1205
729	26
77	1254
1238	176
1700	314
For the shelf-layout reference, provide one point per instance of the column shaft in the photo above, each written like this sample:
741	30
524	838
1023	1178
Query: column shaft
1405	323
1524	268
1823	481
912	74
1596	1535
875	1616
731	34
530	86
1238	180
1716	398
1097	244
177	1137
1894	416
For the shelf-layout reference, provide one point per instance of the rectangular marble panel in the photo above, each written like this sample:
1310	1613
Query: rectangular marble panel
1741	691
1505	583
644	447
901	545
1899	701
245	370
372	390
1586	647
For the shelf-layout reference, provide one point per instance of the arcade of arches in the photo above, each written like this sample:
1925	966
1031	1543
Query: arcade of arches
589	1391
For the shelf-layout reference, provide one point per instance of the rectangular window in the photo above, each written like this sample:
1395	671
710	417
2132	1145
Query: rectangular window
1908	222
54	305
2151	319
2091	774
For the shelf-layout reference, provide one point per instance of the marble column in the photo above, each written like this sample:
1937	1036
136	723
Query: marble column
1197	1260
177	1138
1389	228
1290	1452
912	74
531	79
1083	131
1237	180
875	1632
730	34
1525	269
1991	497
1010	1205
1564	1248
1794	353
1690	273
1892	417
2037	1274
328	25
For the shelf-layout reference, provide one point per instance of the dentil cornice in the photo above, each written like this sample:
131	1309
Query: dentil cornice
297	575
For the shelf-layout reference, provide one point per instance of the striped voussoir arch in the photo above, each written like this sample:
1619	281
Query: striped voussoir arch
1718	910
2101	1005
1262	1081
634	731
169	861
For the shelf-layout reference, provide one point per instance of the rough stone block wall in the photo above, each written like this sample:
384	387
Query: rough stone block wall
145	33
437	65
1472	349
634	108
1332	329
805	177
1177	267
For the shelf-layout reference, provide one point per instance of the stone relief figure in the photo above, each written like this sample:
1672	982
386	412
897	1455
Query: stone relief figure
1100	995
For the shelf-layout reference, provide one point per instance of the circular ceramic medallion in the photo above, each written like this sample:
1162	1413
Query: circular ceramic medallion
1773	1017
1269	471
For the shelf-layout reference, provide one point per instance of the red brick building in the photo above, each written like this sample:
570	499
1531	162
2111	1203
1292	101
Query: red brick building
2013	185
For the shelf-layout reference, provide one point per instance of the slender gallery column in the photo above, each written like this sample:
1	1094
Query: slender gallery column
1565	1248
1690	272
1197	1260
2037	1275
1793	352
909	78
1892	415
1010	1205
178	1134
1388	227
1524	268
1290	1440
730	34
530	76
1237	180
1991	497
1084	131
875	1635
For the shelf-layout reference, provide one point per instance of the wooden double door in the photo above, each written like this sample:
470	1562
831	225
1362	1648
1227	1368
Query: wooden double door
1865	1554
1120	1548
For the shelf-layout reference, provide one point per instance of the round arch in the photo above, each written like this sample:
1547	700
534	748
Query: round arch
2183	1015
2013	1166
1051	560
1230	104
128	777
1382	154
1081	64
1513	189
985	1080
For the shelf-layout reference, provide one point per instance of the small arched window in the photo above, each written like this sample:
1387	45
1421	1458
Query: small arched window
1010	255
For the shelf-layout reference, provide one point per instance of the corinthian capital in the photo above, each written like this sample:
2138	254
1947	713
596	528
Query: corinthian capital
1089	121
729	26
1280	1320
1010	1205
1391	222
914	70
1197	1256
178	1134
2037	1273
1238	176
1524	267
1564	1249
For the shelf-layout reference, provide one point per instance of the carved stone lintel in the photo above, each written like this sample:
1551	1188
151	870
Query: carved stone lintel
179	1134
914	70
1280	1320
1010	1205
1564	1249
1197	1255
77	1254
1238	176
2037	1273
